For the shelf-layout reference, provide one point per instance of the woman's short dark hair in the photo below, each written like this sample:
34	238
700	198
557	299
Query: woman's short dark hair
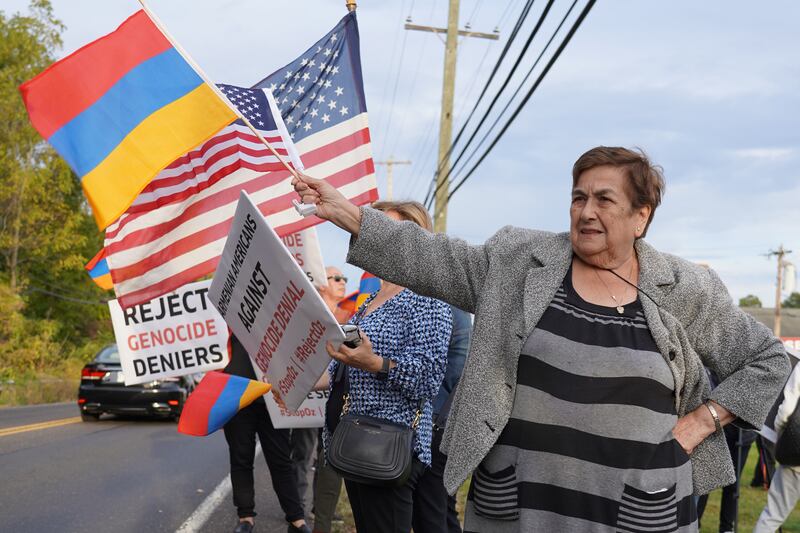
645	180
412	211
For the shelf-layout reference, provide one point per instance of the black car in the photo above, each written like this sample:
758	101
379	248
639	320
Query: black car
103	390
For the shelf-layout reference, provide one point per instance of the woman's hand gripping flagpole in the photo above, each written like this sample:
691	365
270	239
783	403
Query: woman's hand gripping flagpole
330	204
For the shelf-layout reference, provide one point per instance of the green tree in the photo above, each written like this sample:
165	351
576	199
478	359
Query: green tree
47	233
793	300
750	300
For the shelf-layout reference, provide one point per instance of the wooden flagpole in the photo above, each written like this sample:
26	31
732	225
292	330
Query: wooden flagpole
214	87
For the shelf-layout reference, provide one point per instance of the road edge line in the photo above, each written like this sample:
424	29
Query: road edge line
200	516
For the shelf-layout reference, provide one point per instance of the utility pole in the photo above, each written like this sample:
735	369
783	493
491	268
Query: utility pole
780	253
391	162
446	120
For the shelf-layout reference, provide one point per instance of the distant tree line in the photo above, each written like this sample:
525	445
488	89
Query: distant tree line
50	311
792	301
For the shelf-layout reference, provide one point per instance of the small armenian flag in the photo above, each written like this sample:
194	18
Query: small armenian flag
216	399
368	285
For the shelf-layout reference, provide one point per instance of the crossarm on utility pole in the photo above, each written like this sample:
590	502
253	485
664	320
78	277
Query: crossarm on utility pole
390	163
463	33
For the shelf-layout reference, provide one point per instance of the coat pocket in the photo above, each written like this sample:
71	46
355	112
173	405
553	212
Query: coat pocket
651	512
495	495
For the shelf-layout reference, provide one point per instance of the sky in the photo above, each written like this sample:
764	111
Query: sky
710	90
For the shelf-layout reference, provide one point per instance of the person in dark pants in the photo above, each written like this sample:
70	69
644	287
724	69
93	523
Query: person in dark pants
434	509
240	432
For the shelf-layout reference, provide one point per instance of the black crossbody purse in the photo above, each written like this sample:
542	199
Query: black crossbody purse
370	450
787	449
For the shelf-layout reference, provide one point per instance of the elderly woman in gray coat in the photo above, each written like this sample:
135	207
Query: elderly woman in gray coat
583	405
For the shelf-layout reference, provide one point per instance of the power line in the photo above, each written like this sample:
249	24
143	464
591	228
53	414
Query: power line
462	105
516	92
394	92
387	82
514	32
32	288
547	68
502	88
425	144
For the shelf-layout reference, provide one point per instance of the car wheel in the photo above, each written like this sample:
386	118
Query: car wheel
90	417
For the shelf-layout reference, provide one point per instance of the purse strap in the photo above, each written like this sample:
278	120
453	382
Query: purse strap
346	405
356	320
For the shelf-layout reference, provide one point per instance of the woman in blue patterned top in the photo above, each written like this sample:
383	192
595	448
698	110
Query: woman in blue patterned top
401	361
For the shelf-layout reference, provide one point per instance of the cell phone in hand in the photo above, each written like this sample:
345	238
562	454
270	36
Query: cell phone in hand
352	336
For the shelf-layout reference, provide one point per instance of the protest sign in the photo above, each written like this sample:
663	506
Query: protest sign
304	247
271	307
310	414
173	335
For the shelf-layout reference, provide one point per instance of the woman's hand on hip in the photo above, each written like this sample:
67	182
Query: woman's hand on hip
361	356
331	204
696	426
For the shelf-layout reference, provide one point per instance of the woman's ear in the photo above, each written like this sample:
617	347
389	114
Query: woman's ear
642	216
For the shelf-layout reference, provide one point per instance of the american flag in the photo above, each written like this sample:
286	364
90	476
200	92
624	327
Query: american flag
321	99
175	230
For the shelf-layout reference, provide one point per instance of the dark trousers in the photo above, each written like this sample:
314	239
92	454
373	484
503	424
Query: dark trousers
766	463
434	509
384	509
327	487
728	505
304	443
240	432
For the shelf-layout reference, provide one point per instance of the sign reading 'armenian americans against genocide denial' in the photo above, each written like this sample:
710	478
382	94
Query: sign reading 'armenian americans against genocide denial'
173	335
272	308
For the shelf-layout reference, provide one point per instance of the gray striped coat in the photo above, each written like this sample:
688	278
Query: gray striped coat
508	283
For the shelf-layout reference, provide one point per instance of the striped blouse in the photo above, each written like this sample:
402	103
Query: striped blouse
589	445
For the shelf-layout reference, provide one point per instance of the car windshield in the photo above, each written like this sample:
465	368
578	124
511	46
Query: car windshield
109	354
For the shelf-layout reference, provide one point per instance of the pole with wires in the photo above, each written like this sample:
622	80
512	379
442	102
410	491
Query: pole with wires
446	117
527	97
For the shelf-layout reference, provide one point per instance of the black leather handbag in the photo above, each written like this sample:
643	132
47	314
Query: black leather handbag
787	449
370	450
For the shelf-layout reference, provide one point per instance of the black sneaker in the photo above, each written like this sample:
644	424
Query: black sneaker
244	527
302	529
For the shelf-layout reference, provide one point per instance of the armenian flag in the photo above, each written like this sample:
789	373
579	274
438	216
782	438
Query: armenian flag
216	399
98	270
369	284
122	108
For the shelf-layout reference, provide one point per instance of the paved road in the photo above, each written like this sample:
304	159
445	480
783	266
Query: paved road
116	474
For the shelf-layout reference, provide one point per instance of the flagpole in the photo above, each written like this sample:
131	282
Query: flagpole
214	87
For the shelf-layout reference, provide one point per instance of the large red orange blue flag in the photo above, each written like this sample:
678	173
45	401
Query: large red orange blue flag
122	108
216	399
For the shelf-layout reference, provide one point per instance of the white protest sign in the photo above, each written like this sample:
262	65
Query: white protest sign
304	247
173	335
271	307
310	414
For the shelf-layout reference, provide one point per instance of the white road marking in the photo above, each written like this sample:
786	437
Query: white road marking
200	516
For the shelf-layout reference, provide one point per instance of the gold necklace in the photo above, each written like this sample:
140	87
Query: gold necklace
620	308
